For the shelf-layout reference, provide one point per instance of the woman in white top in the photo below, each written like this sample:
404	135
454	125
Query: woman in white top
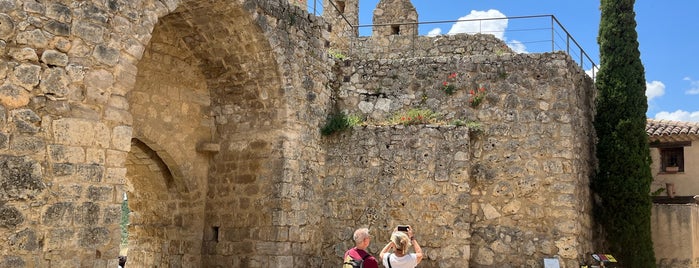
400	258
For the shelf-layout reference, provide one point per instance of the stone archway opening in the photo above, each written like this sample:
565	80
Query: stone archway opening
207	77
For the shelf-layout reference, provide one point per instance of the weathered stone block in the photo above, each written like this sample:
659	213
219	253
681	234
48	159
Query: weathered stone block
13	96
112	214
93	237
59	214
55	58
13	262
63	169
26	75
99	84
87	214
116	175
90	172
95	156
26	120
10	217
20	177
72	131
106	55
58	28
27	144
5	66
66	154
59	12
24	54
89	32
55	82
121	138
59	108
94	13
34	38
3	140
24	240
100	193
61	238
116	158
7	26
32	6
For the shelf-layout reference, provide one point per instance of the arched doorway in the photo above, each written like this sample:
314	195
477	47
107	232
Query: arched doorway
207	77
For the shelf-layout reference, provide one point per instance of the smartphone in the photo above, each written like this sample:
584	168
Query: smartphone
403	228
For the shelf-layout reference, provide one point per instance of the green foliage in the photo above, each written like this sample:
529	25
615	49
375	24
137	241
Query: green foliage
476	96
336	54
124	223
449	86
623	180
657	192
474	126
415	117
458	122
338	122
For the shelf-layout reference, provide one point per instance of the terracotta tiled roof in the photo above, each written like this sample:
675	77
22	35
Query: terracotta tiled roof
667	130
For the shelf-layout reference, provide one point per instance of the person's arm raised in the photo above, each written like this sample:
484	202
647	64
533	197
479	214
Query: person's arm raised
418	250
386	249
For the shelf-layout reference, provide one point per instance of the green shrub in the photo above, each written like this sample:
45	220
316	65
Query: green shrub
339	122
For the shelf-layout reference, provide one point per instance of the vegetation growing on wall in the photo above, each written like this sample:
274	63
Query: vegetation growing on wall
339	121
124	223
622	182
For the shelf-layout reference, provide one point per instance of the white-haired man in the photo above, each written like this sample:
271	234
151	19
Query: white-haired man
358	252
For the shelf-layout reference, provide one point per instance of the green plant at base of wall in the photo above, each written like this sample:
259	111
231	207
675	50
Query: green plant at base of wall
339	122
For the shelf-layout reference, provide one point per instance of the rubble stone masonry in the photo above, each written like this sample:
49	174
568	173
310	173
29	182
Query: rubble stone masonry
206	115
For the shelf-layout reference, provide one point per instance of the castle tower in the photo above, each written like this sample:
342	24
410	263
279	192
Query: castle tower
398	17
342	15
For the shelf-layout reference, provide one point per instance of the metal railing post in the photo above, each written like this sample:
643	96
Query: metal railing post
553	35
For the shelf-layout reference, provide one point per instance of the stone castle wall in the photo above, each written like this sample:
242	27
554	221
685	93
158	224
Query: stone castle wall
526	171
206	114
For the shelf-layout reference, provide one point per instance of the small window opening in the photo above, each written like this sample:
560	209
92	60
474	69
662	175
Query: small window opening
214	233
341	7
395	29
672	159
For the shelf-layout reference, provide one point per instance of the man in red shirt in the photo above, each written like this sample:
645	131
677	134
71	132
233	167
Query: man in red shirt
361	242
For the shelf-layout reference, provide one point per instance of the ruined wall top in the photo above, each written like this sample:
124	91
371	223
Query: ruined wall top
395	17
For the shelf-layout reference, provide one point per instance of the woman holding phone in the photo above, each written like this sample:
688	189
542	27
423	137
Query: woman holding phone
401	239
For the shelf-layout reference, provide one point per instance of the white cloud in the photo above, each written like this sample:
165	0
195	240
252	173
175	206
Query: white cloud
592	72
517	46
654	89
679	115
435	32
694	90
494	27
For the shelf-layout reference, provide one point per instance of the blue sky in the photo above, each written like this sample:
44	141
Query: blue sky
667	34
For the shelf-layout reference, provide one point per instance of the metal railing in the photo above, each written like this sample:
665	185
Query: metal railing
524	34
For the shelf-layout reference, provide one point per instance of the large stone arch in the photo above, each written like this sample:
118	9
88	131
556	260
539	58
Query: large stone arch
208	108
209	94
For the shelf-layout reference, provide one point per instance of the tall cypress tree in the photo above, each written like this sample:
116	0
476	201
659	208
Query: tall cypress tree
622	182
